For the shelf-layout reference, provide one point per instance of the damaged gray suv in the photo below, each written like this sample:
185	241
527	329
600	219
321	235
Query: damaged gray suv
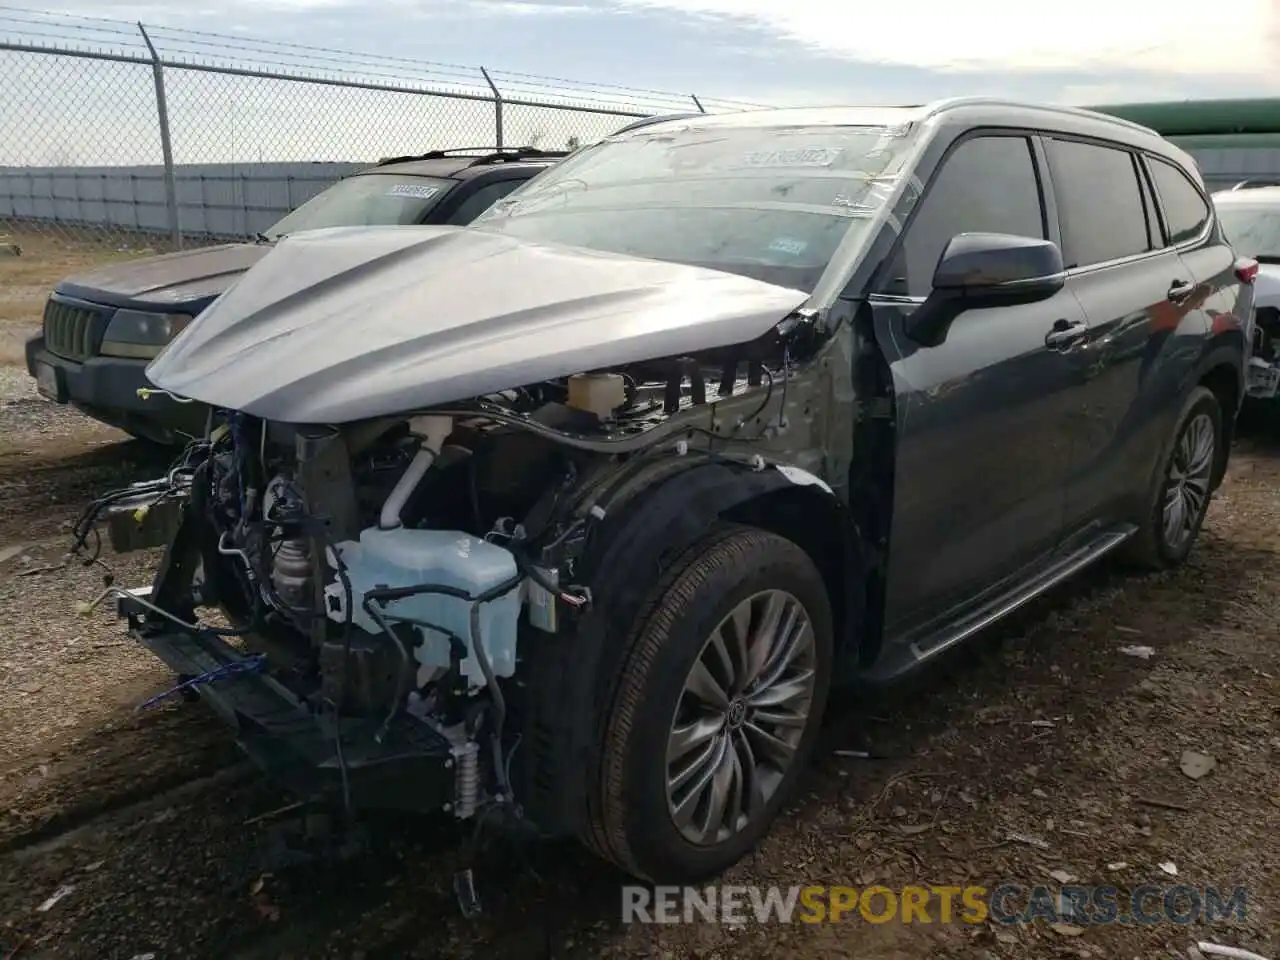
572	520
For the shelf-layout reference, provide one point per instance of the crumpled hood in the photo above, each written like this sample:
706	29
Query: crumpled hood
355	322
167	280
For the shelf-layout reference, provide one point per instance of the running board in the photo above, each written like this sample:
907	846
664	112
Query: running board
898	663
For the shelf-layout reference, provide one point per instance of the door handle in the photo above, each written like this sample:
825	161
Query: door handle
1180	290
1064	333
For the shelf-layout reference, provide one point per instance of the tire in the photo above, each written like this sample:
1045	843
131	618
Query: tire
630	819
1152	547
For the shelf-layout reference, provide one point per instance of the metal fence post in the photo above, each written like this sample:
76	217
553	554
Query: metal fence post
497	105
696	102
166	145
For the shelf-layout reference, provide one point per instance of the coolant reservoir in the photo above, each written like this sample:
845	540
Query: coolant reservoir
449	558
598	393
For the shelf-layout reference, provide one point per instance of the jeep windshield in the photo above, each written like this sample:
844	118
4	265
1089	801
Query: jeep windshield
1253	231
365	200
772	203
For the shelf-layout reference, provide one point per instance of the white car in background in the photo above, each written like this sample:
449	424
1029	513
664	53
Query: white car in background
1250	218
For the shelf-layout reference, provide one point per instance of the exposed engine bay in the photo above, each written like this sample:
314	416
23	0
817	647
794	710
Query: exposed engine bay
386	574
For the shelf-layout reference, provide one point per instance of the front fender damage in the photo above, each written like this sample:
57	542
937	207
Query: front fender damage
433	597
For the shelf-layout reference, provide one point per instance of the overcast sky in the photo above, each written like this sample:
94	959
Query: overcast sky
794	51
60	111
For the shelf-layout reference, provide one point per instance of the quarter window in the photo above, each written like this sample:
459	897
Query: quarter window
987	184
1185	209
1099	202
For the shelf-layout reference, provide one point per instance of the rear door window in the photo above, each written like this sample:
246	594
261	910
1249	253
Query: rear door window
1099	201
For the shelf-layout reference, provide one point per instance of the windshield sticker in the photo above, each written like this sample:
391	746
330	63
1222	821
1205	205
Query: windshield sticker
788	245
852	202
801	157
419	191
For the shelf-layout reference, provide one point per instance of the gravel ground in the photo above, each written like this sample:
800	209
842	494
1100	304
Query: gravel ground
158	842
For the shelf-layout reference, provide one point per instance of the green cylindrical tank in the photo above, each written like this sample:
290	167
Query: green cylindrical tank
1202	117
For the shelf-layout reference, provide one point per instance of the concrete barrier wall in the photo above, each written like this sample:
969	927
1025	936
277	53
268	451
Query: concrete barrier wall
214	200
239	200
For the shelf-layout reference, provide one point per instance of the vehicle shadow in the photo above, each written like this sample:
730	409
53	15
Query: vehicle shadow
1258	427
1066	641
39	481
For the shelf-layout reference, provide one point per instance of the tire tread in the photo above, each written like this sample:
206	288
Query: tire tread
728	545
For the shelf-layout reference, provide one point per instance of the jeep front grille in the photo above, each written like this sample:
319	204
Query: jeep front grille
71	331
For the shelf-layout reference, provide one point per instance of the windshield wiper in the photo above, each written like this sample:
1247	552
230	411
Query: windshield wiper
263	238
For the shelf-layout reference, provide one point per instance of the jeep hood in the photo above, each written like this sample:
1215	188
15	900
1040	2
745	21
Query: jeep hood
187	280
349	323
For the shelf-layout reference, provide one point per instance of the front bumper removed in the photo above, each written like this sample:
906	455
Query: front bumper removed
411	768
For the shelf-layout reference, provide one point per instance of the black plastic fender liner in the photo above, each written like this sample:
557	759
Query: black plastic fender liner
572	675
638	538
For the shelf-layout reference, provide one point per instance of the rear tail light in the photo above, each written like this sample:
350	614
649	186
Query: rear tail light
1246	270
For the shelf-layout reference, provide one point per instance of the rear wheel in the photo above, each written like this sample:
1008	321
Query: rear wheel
1179	498
717	707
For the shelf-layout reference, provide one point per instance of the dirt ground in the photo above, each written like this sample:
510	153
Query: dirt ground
1042	750
45	257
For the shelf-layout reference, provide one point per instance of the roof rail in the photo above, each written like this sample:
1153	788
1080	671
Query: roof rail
486	154
649	121
950	103
517	154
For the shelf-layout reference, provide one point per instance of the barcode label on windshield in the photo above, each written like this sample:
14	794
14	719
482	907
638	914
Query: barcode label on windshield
799	157
419	191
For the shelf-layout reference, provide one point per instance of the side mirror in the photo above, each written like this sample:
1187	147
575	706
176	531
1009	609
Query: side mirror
986	270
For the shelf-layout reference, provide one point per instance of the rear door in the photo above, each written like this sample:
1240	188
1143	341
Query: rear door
984	419
1137	295
1189	227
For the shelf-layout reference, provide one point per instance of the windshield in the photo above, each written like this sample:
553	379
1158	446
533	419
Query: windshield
1252	231
366	200
771	203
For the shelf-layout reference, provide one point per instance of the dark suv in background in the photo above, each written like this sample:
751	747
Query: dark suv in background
102	328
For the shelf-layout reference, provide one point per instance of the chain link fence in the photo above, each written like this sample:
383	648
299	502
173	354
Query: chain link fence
134	139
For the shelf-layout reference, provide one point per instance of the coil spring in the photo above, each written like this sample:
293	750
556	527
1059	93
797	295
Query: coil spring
466	779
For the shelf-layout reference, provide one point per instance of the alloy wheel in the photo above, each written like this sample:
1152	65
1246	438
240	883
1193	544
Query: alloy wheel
1186	492
742	714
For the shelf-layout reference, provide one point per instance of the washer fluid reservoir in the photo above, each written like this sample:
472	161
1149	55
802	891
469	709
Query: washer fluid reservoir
447	558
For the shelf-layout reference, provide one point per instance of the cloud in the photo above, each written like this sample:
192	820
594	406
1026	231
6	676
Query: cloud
524	8
1176	37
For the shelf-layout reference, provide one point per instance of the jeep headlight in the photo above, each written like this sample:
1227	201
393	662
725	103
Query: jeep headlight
141	335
